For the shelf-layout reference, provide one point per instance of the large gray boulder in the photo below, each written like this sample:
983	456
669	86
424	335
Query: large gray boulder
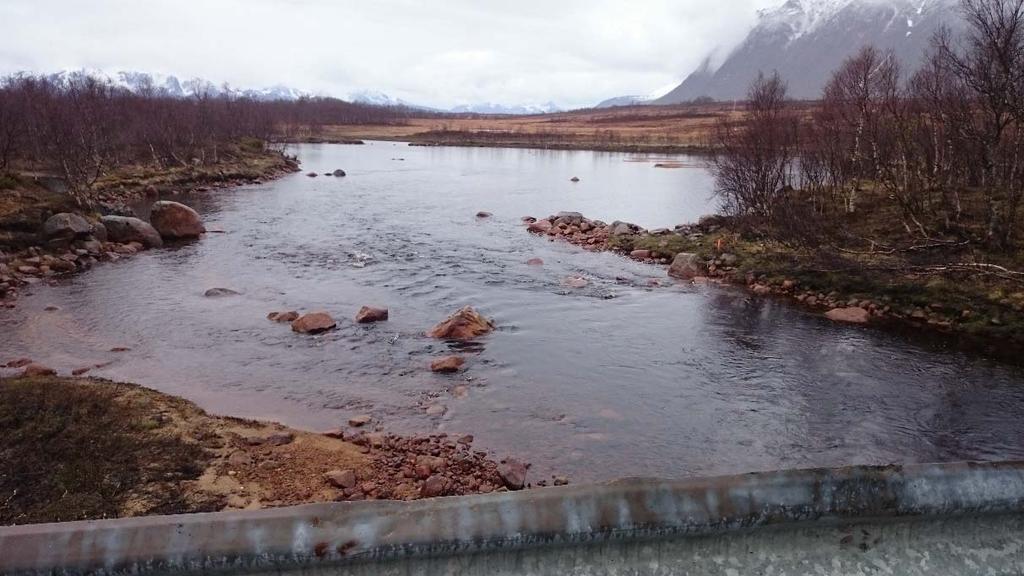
618	228
175	221
66	226
687	266
128	229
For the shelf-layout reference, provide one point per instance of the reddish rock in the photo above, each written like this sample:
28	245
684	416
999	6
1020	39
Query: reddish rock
540	227
341	478
447	365
534	262
760	289
368	315
464	325
283	317
640	254
314	323
433	487
849	315
38	370
513	474
174	220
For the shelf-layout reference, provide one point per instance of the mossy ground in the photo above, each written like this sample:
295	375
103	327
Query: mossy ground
83	449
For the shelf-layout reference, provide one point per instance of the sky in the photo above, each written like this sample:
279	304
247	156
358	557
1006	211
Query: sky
522	52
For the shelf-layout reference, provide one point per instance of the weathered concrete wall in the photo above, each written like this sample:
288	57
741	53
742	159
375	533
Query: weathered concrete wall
952	519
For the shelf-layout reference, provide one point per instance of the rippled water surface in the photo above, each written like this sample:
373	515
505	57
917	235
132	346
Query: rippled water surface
616	379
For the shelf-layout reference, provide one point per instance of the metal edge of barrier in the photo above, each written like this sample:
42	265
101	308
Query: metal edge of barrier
318	534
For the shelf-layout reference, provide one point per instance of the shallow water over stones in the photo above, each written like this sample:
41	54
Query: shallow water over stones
609	379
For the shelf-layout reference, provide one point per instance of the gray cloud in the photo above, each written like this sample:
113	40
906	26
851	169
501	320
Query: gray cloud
573	52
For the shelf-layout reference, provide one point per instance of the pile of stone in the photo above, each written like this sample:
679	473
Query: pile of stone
427	466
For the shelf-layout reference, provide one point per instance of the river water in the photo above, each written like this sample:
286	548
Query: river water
613	380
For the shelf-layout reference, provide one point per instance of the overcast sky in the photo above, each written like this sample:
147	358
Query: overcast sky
572	52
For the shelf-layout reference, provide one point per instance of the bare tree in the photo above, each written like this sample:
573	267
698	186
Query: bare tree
754	165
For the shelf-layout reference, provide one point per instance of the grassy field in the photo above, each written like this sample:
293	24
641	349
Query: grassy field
684	128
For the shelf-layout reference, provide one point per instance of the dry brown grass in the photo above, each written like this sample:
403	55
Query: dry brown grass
685	127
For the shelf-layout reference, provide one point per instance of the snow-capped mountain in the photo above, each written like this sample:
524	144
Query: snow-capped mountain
376	98
805	40
520	110
172	86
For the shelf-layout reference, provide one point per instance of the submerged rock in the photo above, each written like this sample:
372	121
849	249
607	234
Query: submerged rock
38	370
687	266
369	314
126	229
314	323
483	214
219	292
339	173
464	325
447	365
174	220
535	262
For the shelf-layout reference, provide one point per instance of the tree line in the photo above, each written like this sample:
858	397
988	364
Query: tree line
942	146
81	127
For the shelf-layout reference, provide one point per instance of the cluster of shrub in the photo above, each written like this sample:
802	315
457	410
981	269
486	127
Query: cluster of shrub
942	146
81	126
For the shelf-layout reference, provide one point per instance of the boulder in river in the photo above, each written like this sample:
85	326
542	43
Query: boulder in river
540	227
339	173
687	266
447	365
464	325
219	293
66	226
312	174
283	317
369	315
174	220
535	262
314	323
125	229
574	179
483	214
852	315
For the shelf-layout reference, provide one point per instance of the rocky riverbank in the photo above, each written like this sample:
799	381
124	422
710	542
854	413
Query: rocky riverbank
80	449
44	236
980	313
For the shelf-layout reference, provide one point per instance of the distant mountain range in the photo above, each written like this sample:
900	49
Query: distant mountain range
176	88
805	40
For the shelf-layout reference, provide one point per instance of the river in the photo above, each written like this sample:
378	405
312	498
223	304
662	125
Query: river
613	380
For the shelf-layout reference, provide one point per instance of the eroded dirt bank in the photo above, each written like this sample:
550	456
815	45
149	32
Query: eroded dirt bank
76	449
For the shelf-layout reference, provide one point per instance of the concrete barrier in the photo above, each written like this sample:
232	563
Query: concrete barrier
922	519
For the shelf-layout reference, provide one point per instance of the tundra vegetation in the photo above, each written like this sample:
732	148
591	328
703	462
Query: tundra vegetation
88	132
901	184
